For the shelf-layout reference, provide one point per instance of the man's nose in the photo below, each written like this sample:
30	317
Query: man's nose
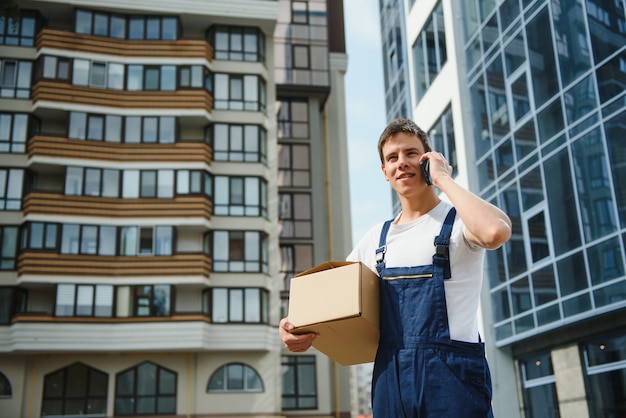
402	161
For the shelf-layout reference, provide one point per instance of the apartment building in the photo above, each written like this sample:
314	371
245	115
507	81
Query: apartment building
166	168
527	100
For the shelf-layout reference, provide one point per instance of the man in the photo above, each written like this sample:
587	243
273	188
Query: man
430	360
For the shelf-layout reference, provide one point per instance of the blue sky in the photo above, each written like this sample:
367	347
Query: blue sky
370	195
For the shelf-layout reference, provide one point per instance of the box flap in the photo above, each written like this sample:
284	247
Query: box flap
325	266
326	293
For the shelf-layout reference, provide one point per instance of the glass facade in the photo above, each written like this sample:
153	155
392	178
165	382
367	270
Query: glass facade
604	362
547	79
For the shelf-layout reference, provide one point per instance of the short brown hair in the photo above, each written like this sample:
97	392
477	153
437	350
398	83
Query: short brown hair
406	126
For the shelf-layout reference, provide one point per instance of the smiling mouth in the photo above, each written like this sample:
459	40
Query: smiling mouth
405	176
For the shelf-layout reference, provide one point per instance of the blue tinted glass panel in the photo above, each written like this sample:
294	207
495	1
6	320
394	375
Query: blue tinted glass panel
572	275
543	66
561	202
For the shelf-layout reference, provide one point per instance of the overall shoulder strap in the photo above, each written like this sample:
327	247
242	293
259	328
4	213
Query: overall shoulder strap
441	259
382	243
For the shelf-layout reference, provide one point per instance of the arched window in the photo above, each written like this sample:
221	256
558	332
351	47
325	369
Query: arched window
235	377
75	390
145	389
5	387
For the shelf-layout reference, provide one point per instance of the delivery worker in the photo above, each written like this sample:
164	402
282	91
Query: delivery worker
430	361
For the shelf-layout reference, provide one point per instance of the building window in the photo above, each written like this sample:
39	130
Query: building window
150	129
114	25
53	68
145	389
294	259
293	118
299	12
193	182
240	196
300	43
11	184
429	52
151	77
193	76
146	240
96	127
236	43
246	143
235	377
239	92
102	240
539	387
12	301
76	390
8	247
15	79
152	300
239	251
442	138
537	242
299	382
98	74
239	305
84	300
39	236
148	184
20	33
5	387
13	132
81	181
160	184
294	165
301	56
605	375
295	215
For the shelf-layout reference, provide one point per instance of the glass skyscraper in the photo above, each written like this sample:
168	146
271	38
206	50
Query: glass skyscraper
527	100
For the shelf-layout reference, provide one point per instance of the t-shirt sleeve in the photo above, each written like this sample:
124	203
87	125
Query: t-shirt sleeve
365	250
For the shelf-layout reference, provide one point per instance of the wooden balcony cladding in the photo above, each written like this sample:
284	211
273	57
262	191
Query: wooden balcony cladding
51	264
188	152
55	91
41	203
70	41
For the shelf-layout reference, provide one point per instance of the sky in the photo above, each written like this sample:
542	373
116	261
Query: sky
370	194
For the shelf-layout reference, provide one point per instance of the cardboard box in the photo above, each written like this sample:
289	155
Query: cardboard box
340	301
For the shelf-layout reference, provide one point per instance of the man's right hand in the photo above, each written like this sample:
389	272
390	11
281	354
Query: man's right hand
297	343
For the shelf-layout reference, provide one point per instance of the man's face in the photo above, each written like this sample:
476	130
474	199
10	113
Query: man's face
401	155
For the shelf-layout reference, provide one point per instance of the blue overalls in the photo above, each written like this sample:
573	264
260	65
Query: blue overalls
419	371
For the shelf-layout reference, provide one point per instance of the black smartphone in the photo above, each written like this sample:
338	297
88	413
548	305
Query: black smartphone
426	171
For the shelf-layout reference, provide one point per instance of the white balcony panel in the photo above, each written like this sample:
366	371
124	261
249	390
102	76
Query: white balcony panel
131	337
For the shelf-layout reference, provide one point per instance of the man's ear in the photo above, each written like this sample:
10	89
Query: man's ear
382	167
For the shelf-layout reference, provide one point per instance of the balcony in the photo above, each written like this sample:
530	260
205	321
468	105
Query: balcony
63	92
55	204
70	41
37	263
186	333
55	147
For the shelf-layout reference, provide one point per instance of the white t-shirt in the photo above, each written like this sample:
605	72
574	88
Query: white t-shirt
412	244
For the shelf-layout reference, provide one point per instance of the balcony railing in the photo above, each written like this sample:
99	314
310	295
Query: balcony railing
70	41
49	146
63	92
55	204
52	264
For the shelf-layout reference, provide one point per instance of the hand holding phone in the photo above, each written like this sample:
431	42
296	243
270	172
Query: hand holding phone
425	165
